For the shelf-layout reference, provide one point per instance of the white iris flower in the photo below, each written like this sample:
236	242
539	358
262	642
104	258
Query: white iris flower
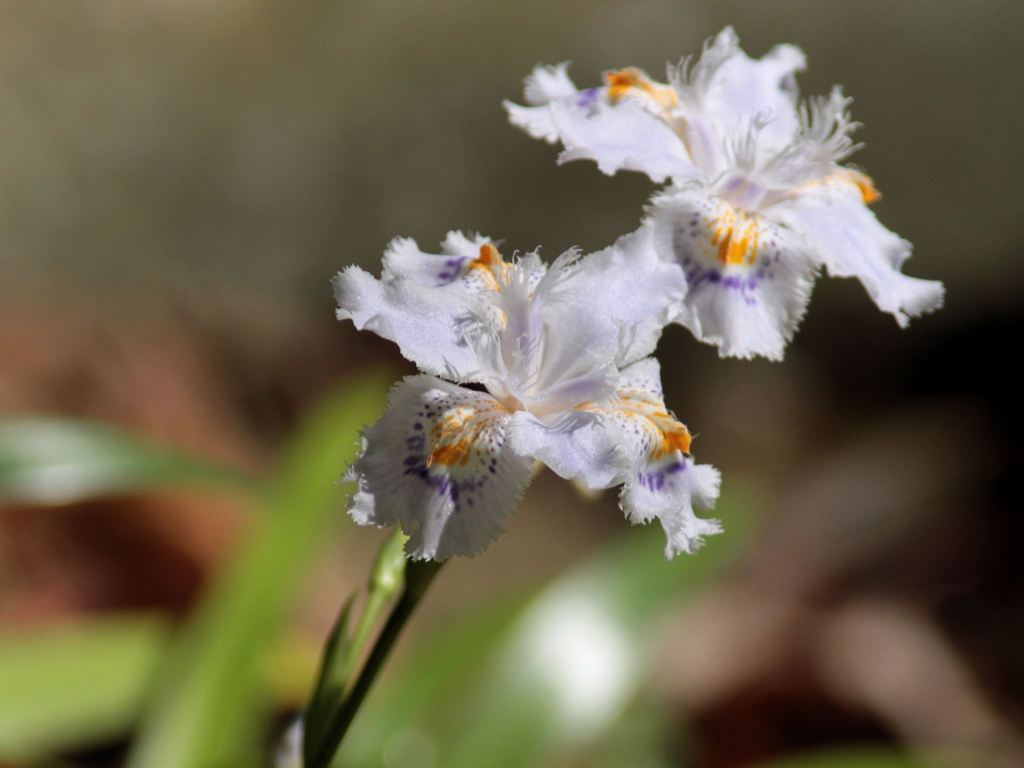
757	202
559	358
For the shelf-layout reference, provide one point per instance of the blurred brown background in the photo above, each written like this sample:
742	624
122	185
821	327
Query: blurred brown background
179	181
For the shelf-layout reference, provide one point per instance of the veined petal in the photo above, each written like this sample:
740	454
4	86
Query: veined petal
425	302
631	294
421	320
563	339
846	237
660	480
623	136
735	89
748	278
575	445
438	464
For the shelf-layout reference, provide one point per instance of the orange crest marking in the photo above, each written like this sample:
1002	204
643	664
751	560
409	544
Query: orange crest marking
665	434
625	81
489	265
863	182
735	234
461	431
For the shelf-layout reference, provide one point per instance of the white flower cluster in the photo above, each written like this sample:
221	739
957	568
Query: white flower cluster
559	356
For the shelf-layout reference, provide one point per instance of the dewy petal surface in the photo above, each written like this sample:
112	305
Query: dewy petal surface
420	319
437	462
748	279
624	136
850	241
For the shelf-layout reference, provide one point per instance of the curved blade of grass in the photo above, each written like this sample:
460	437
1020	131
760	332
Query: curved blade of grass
50	460
524	684
207	702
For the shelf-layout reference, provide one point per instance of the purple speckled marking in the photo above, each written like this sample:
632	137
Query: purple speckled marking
451	271
656	479
586	98
697	274
460	492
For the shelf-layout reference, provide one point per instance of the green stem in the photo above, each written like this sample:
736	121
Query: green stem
418	576
375	602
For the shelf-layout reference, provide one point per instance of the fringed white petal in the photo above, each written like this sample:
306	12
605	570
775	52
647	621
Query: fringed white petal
421	320
669	489
546	84
623	136
438	463
660	480
749	280
630	293
536	121
848	239
542	87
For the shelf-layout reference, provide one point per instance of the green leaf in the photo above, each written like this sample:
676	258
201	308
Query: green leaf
75	683
207	706
331	678
45	460
342	652
516	684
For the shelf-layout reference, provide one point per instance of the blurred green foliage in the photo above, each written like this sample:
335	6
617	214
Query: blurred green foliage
533	679
204	695
77	683
49	460
541	677
206	705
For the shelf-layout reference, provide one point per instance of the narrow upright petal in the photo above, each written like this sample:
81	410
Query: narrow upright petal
437	462
734	88
630	295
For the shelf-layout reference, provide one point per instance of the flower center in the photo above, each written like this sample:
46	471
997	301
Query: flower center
735	234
